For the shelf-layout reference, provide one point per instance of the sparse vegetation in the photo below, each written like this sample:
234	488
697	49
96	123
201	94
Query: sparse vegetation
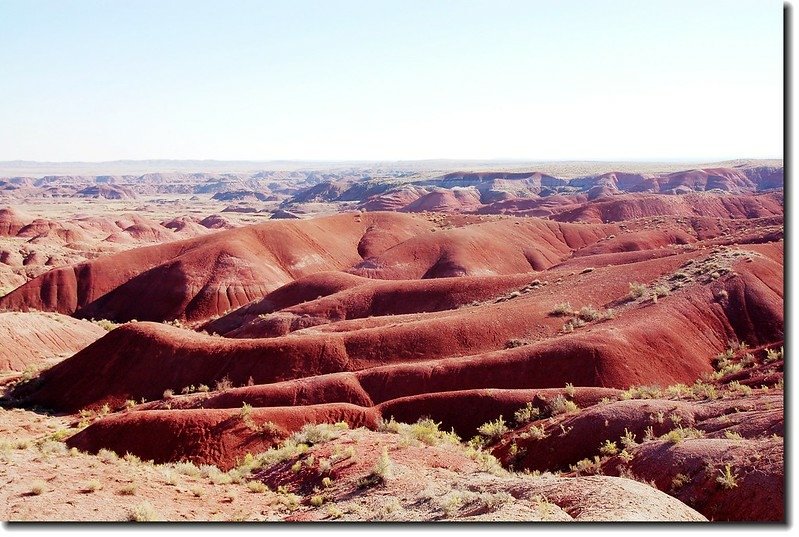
773	355
587	467
562	309
425	430
223	384
675	436
609	448
105	324
91	486
637	290
527	414
143	512
679	481
727	479
493	430
536	432
107	456
128	490
589	313
561	405
257	487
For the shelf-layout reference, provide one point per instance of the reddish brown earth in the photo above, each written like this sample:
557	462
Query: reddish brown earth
235	340
684	440
32	246
30	339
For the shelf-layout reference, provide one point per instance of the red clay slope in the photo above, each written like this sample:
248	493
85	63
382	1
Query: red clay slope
29	339
506	246
629	206
665	342
205	276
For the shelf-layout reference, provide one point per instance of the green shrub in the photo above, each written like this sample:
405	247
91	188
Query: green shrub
493	430
527	414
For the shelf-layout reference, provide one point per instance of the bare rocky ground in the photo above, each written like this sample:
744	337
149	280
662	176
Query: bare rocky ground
412	473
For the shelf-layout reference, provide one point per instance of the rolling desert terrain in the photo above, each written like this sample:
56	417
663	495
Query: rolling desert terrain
433	340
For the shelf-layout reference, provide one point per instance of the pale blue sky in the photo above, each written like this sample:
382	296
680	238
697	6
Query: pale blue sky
370	79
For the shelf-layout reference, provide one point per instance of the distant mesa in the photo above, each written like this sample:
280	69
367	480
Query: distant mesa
282	214
240	195
110	192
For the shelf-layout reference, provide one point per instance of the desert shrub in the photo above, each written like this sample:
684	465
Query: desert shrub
287	499
626	456
564	308
106	455
737	387
679	481
91	486
104	410
317	500
38	487
381	472
188	469
105	324
662	290
569	389
143	512
52	447
561	405
319	433
334	512
628	440
527	414
342	454
245	413
589	313
676	391
679	434
609	448
702	390
170	477
257	486
131	458
733	435
641	392
128	490
587	467
486	460
425	430
536	432
637	290
727	478
493	430
773	355
60	435
224	384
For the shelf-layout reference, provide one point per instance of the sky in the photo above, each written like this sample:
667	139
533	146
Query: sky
384	80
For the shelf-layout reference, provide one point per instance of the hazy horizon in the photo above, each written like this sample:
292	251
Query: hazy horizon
562	168
353	81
